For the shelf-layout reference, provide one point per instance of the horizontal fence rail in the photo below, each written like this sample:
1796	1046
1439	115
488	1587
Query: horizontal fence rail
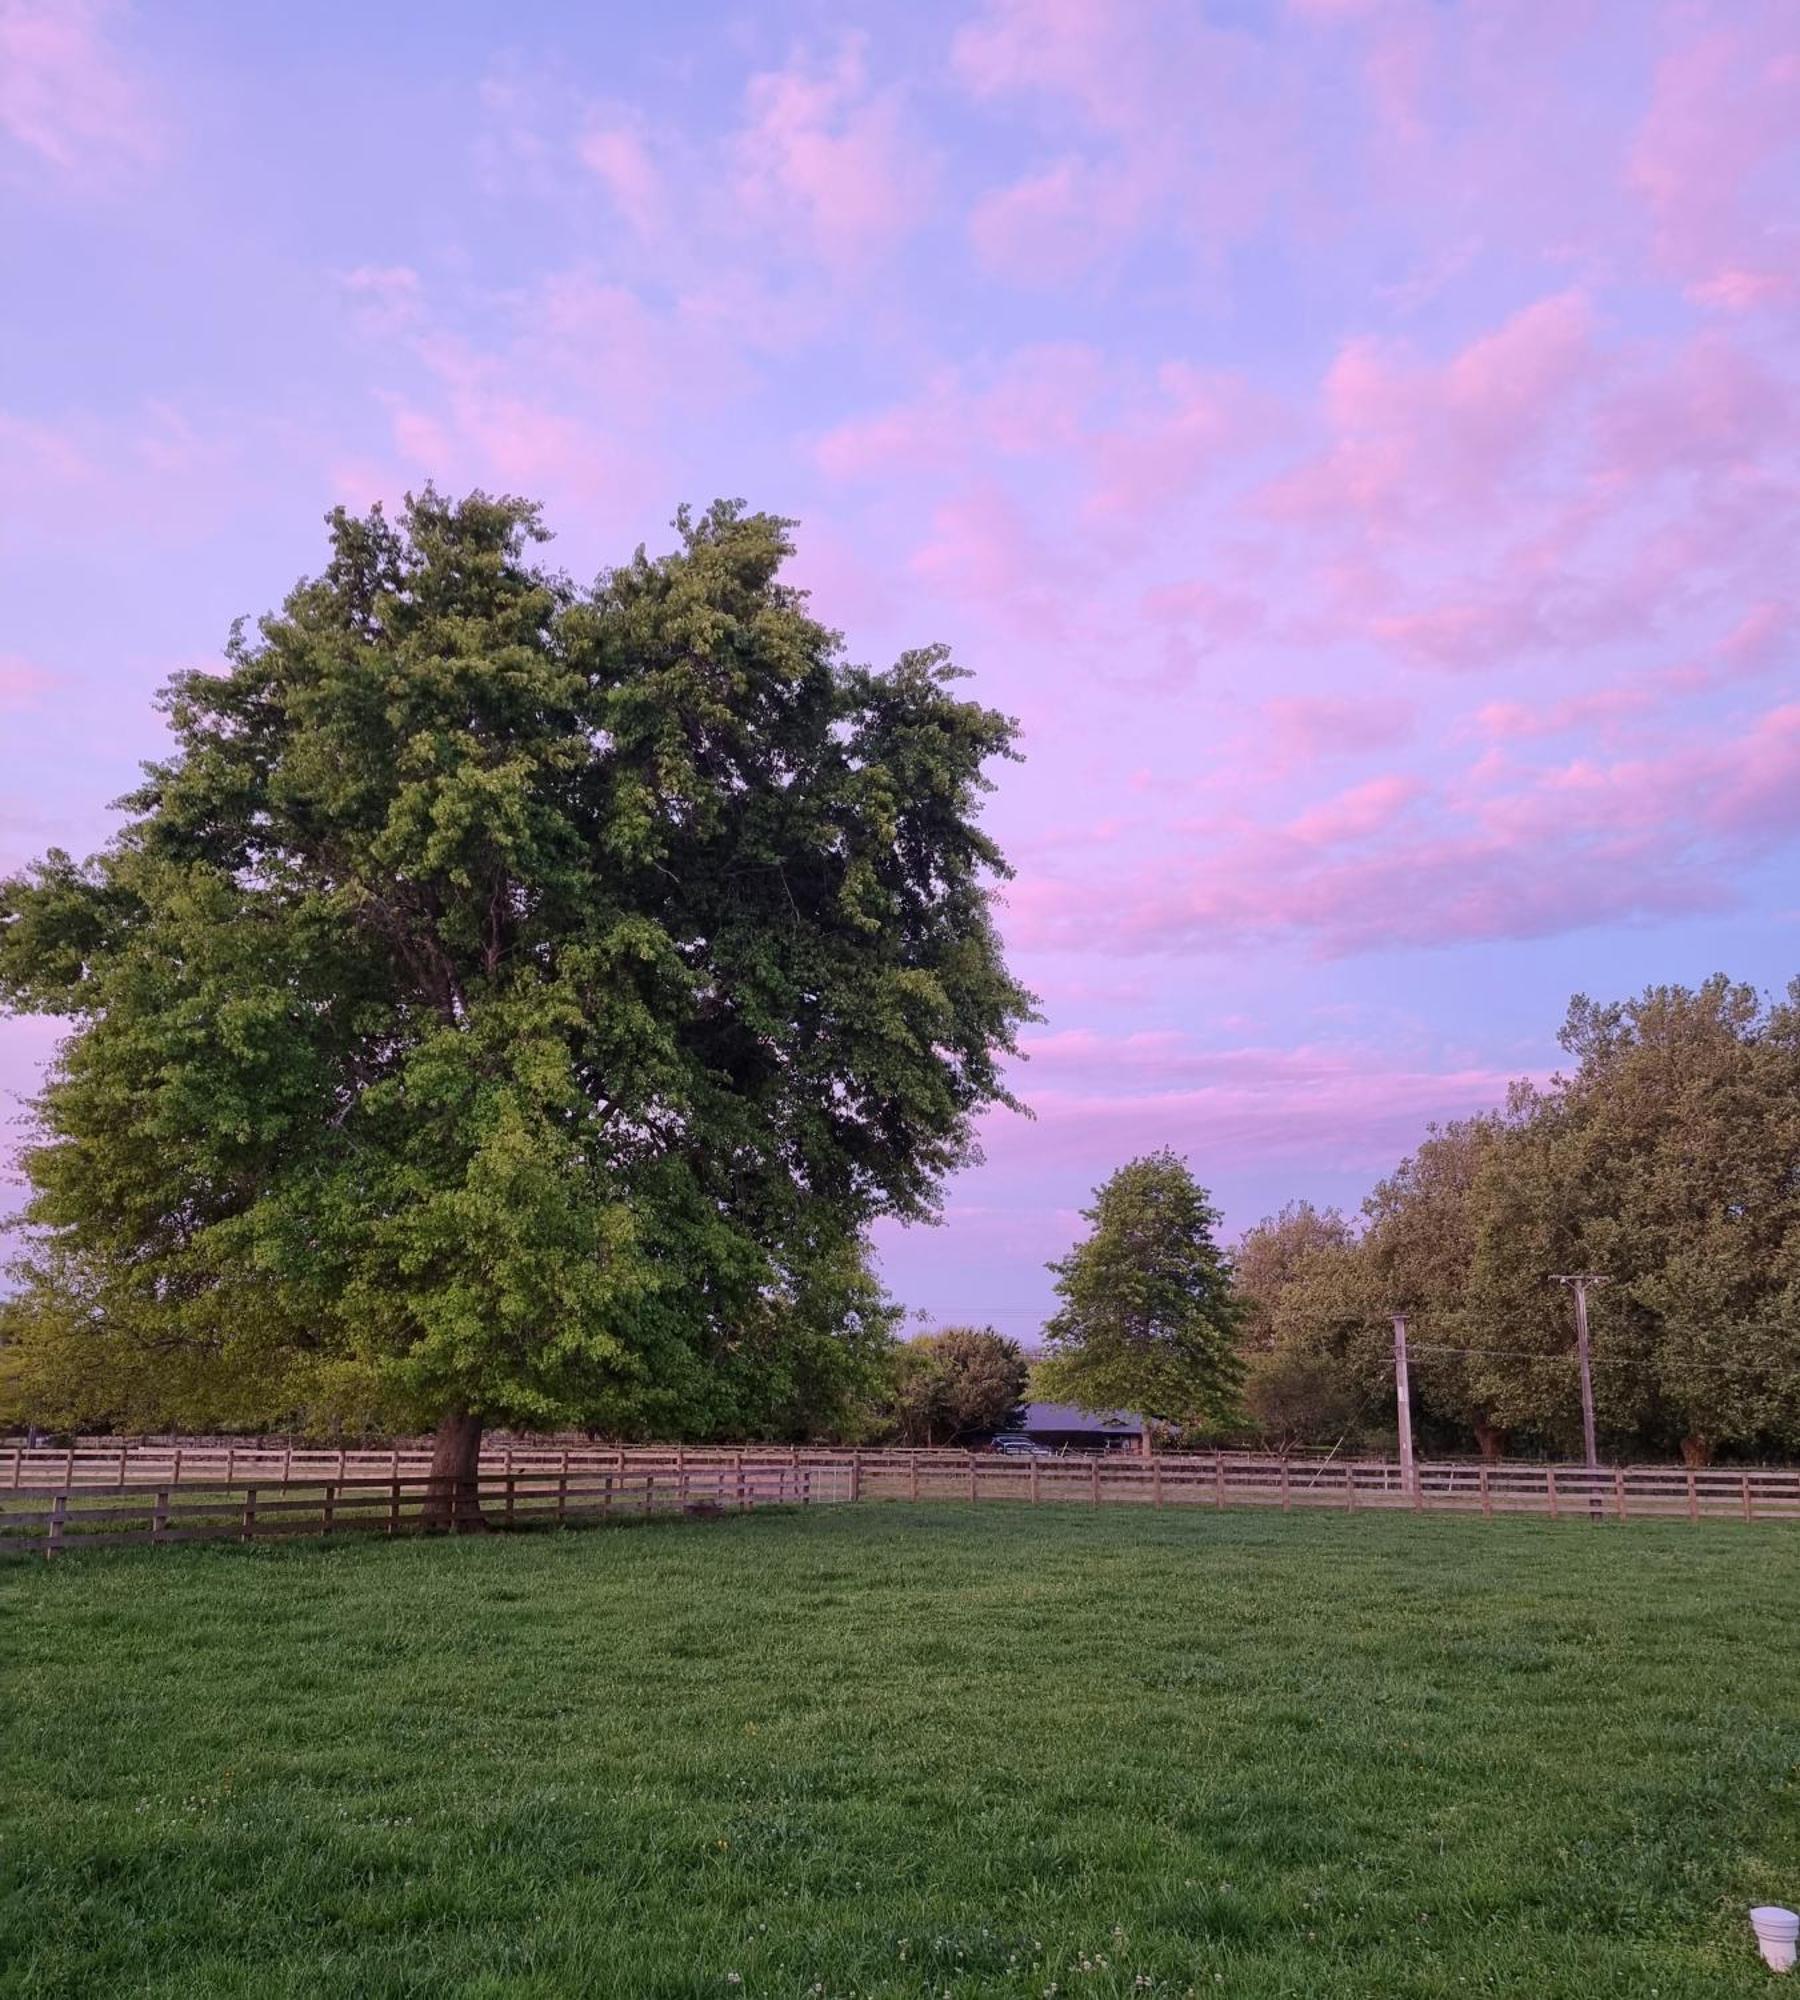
51	1520
100	1491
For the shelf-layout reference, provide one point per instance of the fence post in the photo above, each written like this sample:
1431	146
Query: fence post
1287	1495
330	1505
1487	1494
1156	1482
562	1490
1418	1489
912	1476
1693	1495
1349	1487
176	1473
59	1512
1550	1488
1619	1489
1094	1479
249	1512
287	1464
606	1483
1218	1479
649	1490
1034	1480
856	1475
230	1462
393	1527
974	1489
1749	1510
159	1525
69	1468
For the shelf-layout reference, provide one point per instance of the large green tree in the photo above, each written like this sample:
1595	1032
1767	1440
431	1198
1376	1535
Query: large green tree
509	1001
1150	1318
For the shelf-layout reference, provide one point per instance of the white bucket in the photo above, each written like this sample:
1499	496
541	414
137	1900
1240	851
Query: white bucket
1776	1933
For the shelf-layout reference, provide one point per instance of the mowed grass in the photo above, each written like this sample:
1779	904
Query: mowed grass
908	1750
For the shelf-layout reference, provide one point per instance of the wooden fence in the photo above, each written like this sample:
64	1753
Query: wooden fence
38	1520
104	1491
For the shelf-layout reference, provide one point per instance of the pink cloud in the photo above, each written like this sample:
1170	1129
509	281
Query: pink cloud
66	97
1761	638
1097	54
983	551
1201	422
1057	222
618	157
1308	727
20	681
1515	721
1179	122
1097	1098
1711	404
830	162
385	297
1408	437
1723	125
1514	855
1357	814
156	471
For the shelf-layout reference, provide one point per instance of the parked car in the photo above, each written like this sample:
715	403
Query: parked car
1017	1445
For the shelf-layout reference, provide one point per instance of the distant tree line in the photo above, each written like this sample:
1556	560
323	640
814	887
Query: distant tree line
1666	1157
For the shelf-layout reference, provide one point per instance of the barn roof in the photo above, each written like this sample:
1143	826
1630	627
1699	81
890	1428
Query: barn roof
1067	1417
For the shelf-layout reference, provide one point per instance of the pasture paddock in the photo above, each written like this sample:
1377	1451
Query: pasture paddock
908	1750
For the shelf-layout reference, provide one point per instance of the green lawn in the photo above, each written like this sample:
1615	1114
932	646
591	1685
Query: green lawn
908	1750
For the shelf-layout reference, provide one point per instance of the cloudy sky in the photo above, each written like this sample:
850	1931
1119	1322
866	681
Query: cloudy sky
1357	438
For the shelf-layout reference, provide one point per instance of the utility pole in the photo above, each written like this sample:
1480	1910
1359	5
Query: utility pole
1579	1281
1409	1476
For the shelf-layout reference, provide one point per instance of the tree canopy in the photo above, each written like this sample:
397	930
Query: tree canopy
960	1384
510	1000
1666	1157
1150	1319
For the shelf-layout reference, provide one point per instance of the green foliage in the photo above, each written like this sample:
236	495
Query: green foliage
1150	1319
510	998
959	1383
1667	1158
1296	1396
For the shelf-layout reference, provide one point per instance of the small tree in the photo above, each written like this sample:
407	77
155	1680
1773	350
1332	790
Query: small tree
1296	1397
964	1382
1150	1317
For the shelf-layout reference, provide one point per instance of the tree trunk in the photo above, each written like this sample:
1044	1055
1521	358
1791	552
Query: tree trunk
1492	1441
453	1500
1696	1451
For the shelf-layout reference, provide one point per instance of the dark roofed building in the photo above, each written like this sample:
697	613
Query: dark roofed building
1066	1428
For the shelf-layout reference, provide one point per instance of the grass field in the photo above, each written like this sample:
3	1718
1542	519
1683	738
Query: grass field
907	1751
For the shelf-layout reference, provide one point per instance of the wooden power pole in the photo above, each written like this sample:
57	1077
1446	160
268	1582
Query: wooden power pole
1409	1475
1578	1282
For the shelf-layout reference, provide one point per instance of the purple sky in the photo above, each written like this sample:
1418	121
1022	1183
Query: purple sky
1356	437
